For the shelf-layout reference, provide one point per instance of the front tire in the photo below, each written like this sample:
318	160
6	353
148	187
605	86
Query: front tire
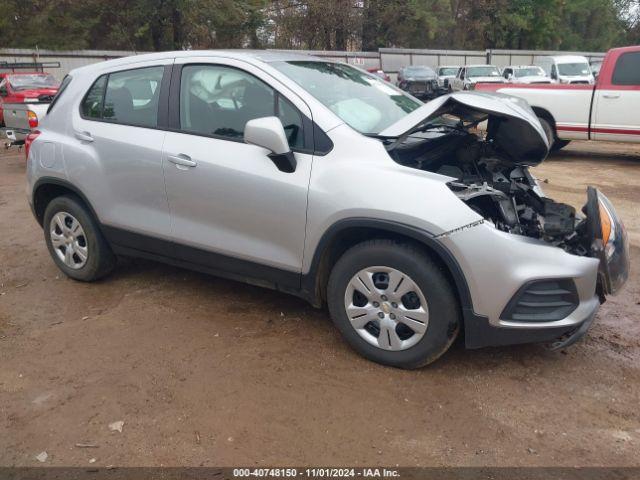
75	241
552	137
393	304
559	144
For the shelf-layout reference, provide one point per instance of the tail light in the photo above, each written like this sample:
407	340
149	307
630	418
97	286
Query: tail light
33	119
29	140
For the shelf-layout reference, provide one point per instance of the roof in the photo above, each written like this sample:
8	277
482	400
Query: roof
631	48
250	56
568	58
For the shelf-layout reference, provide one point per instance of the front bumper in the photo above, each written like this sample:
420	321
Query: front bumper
498	266
421	88
480	333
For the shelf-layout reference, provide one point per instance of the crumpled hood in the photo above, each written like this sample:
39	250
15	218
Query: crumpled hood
512	125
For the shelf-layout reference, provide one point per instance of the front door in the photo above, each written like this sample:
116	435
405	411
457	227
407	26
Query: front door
231	207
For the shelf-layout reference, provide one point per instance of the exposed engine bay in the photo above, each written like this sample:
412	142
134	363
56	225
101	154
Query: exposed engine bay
486	143
489	181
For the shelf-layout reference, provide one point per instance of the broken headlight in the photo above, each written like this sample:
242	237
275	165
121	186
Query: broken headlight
609	242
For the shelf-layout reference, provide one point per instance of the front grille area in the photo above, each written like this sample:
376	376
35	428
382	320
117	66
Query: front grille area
542	301
420	87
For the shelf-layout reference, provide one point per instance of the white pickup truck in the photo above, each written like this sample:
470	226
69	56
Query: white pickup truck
608	110
21	118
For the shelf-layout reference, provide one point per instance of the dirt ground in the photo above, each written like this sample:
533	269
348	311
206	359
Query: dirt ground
204	371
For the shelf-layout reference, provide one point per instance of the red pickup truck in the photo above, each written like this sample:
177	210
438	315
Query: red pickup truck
26	88
608	110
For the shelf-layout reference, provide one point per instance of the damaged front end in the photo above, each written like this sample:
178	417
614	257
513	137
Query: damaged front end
486	143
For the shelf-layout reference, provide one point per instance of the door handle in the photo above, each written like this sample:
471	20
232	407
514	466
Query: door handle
182	159
84	136
611	95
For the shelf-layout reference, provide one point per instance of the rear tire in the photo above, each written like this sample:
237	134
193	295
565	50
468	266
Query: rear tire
421	323
75	241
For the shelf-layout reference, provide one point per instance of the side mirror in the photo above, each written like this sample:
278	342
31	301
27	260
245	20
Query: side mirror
510	76
268	133
3	92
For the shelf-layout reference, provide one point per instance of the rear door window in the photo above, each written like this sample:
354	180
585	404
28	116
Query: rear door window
129	97
627	70
132	97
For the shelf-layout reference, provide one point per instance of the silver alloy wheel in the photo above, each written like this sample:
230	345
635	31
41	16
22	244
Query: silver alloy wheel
386	308
68	240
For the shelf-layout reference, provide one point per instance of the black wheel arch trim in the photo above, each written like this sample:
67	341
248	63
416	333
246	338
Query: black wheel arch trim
309	280
477	331
42	181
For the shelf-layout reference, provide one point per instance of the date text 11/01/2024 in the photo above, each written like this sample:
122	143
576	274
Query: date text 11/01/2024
316	473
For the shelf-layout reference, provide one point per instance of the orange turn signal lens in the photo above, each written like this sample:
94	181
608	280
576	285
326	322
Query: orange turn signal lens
605	224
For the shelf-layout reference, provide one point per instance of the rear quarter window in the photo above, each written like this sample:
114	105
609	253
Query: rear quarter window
91	106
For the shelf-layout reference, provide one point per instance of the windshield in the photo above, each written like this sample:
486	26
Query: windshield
32	81
529	72
487	71
574	69
361	100
450	71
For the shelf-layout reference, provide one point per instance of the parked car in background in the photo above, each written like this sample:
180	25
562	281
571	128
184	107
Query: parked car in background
419	81
608	111
457	237
469	75
22	87
568	69
446	73
379	73
595	65
525	74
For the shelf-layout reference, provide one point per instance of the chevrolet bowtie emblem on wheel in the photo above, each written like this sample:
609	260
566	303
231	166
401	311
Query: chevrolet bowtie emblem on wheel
385	308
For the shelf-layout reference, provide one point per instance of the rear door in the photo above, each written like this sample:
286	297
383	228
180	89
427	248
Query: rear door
616	109
231	207
117	133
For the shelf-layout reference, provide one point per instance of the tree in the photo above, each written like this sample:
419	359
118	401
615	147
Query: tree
151	25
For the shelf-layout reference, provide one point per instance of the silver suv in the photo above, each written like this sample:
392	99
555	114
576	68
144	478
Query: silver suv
412	222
